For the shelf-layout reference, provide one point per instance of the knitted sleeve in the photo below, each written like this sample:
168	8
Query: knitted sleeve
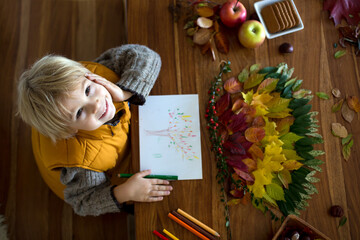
88	192
138	68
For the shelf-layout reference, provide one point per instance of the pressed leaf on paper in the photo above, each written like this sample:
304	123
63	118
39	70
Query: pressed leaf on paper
353	103
337	106
232	85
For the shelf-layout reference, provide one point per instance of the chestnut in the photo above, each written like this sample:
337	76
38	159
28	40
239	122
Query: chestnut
286	48
336	211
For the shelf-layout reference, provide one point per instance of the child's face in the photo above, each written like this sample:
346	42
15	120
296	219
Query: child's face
90	105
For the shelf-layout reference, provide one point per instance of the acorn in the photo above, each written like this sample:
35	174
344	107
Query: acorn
336	211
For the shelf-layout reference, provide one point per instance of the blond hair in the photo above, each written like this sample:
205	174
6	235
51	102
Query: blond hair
40	90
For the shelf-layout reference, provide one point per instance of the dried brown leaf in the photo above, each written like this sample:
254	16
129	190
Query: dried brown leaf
205	11
339	130
222	43
353	103
202	36
204	22
336	92
206	47
347	113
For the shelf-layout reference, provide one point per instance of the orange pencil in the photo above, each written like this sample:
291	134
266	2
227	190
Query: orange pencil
194	220
187	227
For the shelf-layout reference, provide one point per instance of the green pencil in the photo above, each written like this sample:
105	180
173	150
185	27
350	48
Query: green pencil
166	177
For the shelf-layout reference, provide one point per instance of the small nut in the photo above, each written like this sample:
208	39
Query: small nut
336	211
286	48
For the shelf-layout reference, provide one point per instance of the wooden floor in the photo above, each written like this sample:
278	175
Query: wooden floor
29	29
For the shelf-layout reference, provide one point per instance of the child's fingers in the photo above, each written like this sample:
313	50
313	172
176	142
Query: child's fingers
159	182
143	173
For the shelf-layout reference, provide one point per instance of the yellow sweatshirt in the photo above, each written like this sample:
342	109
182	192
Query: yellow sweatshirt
99	150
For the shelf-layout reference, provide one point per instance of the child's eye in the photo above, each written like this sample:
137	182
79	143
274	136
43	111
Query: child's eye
78	114
87	91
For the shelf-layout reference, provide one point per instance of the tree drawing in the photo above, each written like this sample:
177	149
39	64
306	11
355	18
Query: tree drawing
179	132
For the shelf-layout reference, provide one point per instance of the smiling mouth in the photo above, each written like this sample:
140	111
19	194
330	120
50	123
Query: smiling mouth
105	110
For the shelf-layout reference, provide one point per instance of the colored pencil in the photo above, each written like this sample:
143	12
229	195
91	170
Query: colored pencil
165	177
170	234
187	227
193	225
159	235
194	220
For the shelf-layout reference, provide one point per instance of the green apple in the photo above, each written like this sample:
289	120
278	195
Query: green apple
251	34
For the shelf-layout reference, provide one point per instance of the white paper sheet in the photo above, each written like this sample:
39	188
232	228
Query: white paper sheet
169	129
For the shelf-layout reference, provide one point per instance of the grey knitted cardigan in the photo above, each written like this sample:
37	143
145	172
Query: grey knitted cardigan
90	192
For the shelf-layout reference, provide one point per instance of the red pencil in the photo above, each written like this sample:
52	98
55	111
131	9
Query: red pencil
187	227
160	235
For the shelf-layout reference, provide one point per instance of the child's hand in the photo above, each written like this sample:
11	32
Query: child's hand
117	94
140	189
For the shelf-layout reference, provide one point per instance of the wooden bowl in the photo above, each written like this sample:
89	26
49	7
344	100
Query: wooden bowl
293	222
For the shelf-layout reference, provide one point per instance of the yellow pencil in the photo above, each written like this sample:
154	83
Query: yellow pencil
194	220
169	234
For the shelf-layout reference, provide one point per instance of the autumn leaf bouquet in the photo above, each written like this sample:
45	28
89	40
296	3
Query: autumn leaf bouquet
262	131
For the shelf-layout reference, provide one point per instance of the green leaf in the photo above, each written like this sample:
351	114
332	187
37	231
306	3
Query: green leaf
339	53
346	139
322	95
346	150
243	75
295	103
337	106
315	167
275	191
253	80
301	110
254	68
297	85
268	70
311	162
342	221
291	81
316	153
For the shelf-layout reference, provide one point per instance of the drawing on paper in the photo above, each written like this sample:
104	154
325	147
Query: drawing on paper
169	136
179	130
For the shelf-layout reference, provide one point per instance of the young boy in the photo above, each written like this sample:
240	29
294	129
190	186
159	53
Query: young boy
80	126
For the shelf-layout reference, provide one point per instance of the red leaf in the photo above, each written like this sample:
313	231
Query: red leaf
258	122
239	138
237	123
232	85
225	117
234	148
347	9
222	104
223	133
235	161
244	175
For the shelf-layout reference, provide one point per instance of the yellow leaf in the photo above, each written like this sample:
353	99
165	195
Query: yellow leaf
292	165
234	201
248	96
277	103
291	154
279	114
285	177
253	80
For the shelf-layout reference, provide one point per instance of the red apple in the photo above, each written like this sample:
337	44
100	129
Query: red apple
251	34
233	13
